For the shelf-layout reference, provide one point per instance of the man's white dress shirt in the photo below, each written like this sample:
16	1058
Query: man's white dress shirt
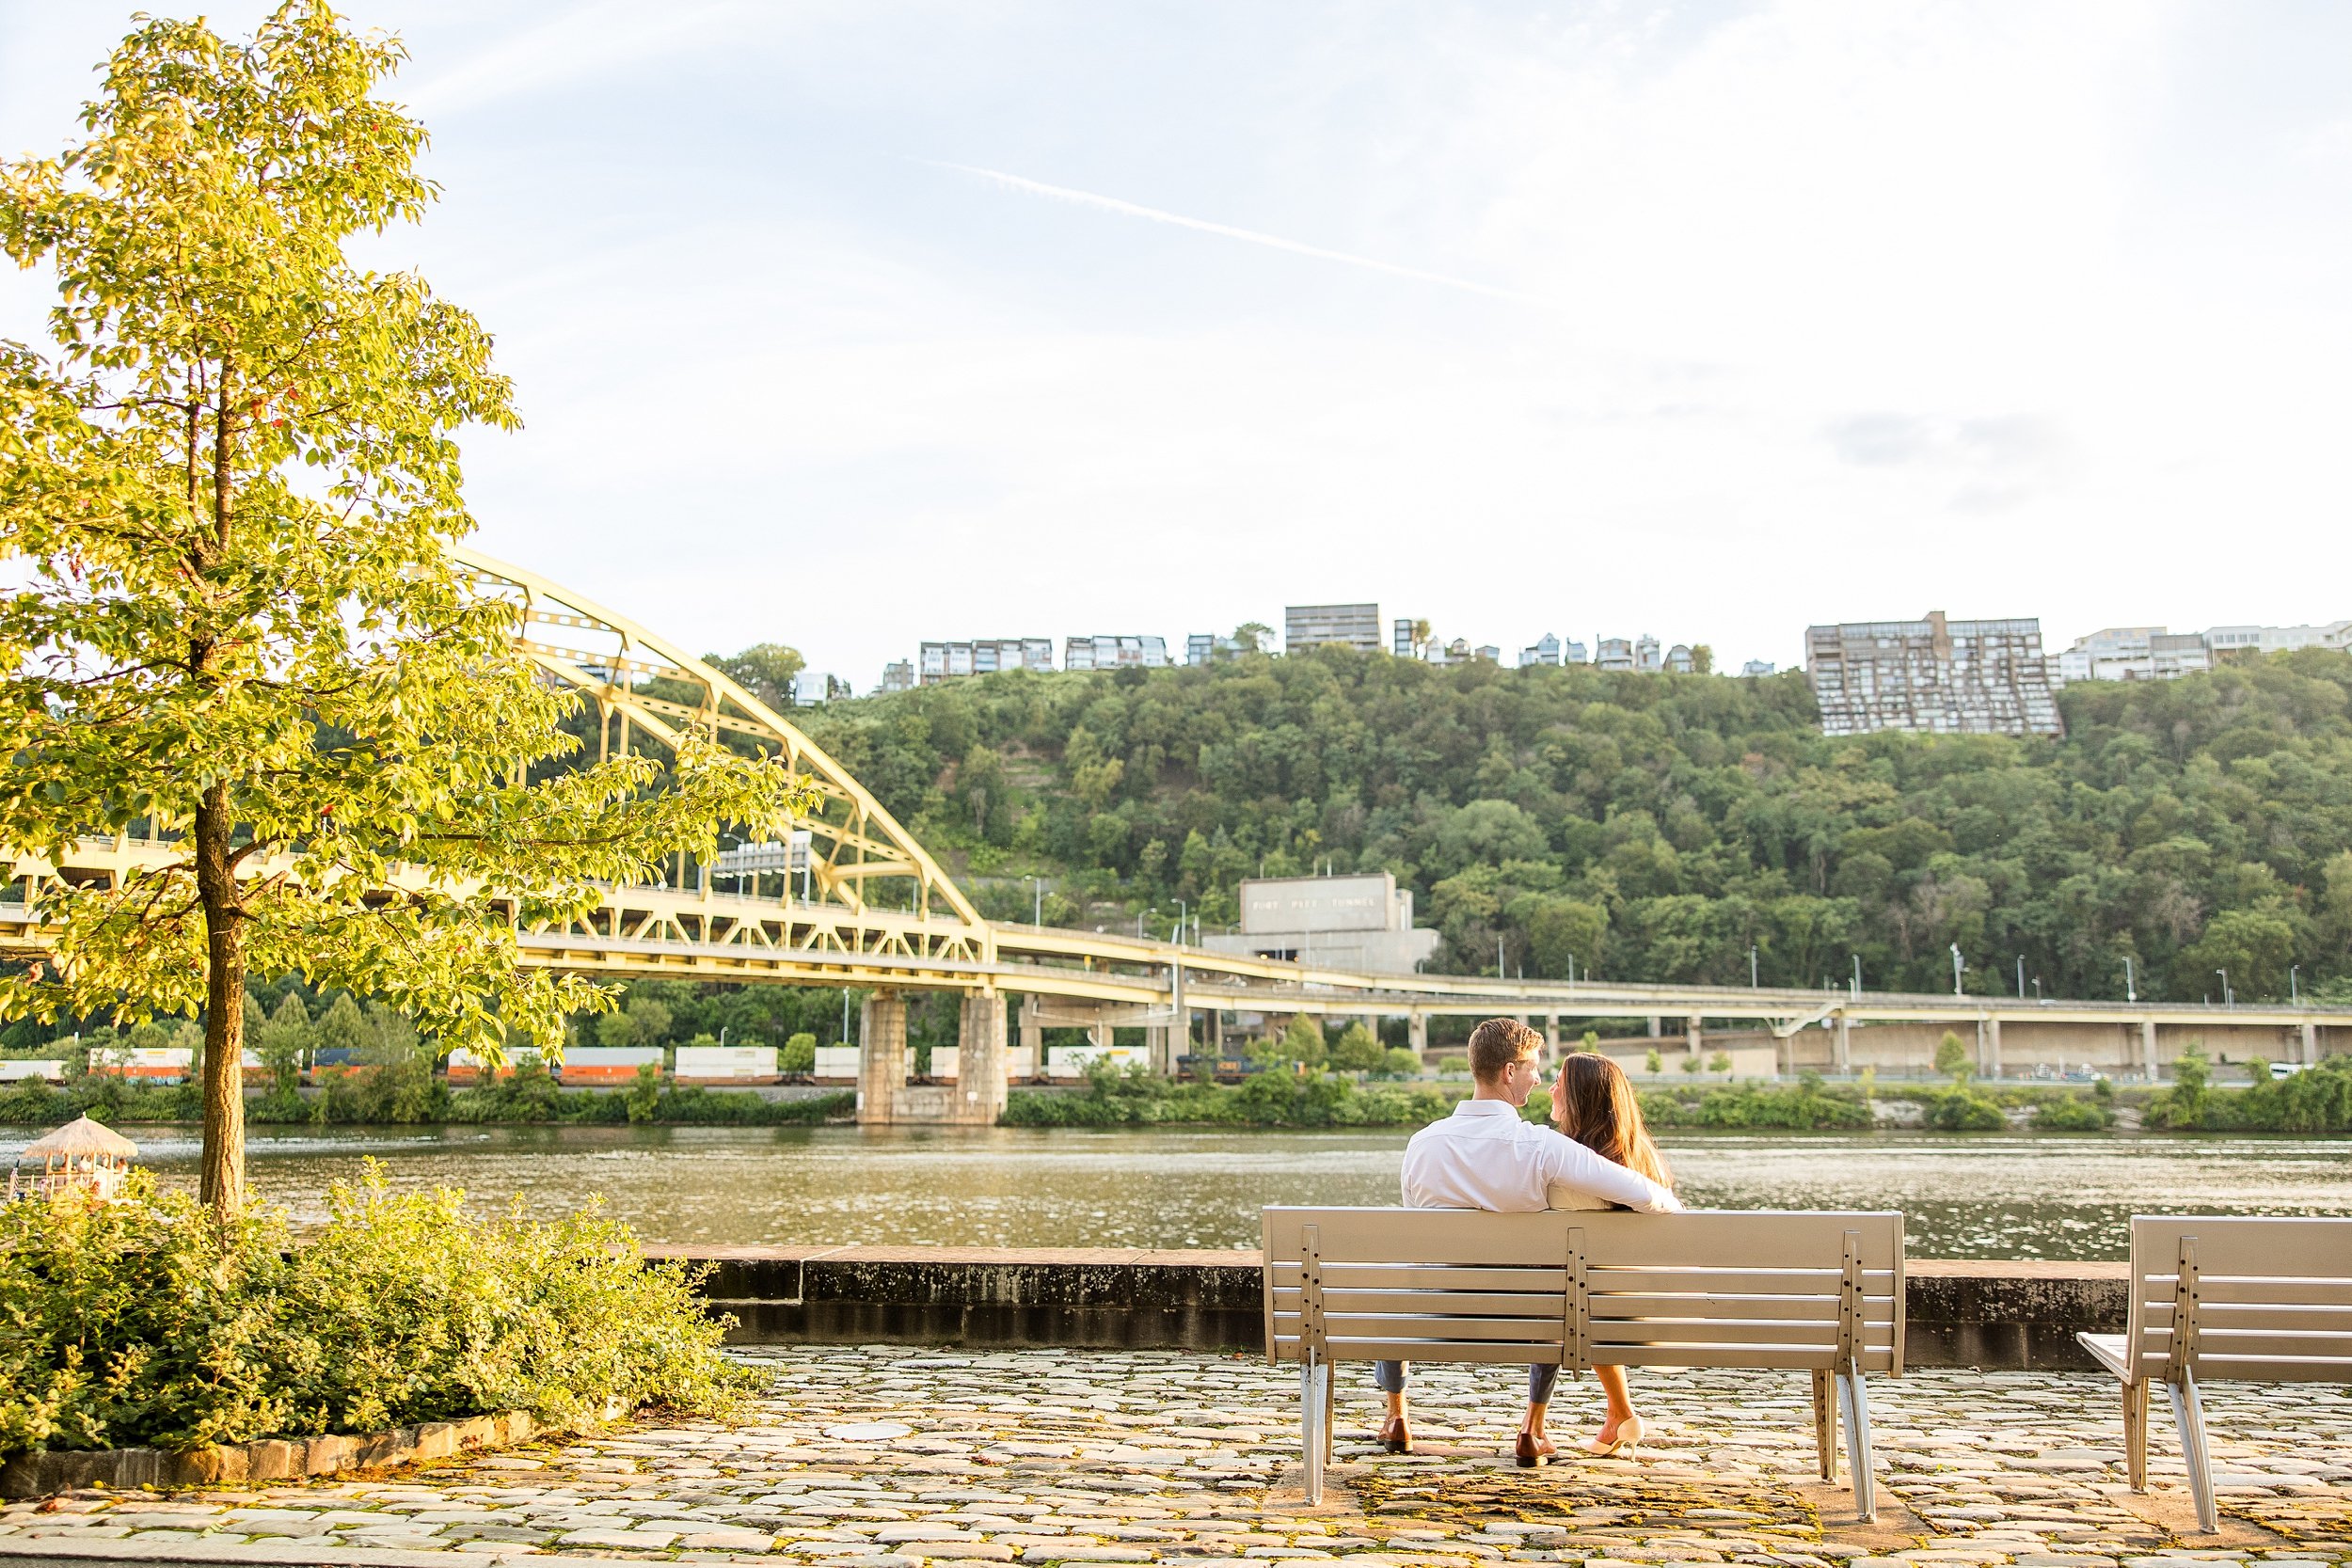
1484	1156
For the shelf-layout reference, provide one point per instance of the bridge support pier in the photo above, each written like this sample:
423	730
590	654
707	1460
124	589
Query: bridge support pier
1989	1048
1691	1034
2150	1063
2311	1045
881	1059
1843	1051
980	1085
1033	1033
1417	1032
1551	1036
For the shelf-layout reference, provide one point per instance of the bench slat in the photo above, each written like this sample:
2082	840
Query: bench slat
1475	1303
2259	1317
1486	1352
2244	1291
1766	1357
2287	1246
1660	1304
1422	1277
1747	1282
1652	1331
1357	1325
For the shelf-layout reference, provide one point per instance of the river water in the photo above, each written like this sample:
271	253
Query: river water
1995	1196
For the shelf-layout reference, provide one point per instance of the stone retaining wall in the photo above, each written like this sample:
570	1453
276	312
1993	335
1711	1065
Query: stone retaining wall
1960	1314
50	1471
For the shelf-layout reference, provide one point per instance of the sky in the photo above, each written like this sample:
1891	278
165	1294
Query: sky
850	324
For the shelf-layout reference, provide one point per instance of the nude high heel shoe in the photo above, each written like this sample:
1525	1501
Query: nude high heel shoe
1628	1438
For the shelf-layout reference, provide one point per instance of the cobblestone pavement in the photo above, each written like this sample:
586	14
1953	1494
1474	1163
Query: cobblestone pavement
887	1455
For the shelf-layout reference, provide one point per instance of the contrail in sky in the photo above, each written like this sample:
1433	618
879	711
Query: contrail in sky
1130	209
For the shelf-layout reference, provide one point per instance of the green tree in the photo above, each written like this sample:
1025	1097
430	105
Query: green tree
1952	1058
227	499
1358	1049
344	1028
284	1044
799	1053
766	669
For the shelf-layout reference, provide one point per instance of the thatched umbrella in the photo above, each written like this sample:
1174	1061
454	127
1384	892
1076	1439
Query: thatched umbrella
79	1139
81	1155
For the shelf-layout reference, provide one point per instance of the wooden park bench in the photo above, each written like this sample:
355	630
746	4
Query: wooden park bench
1818	1292
2255	1299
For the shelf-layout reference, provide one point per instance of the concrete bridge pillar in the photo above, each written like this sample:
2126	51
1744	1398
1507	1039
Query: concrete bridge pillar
1033	1033
2150	1063
1691	1034
1416	1031
1552	1035
1160	1041
2310	1043
881	1059
980	1088
1842	1056
1991	1048
1657	1026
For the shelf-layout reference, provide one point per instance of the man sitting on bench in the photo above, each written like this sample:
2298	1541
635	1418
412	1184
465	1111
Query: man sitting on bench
1485	1156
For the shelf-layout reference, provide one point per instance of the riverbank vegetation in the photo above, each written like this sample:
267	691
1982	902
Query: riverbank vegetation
144	1322
375	1097
2316	1099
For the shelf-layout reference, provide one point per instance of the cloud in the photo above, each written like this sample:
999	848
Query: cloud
1154	214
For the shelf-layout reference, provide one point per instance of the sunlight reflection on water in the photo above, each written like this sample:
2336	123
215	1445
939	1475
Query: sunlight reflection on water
1993	1196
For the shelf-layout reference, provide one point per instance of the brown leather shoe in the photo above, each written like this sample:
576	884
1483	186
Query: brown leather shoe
1533	1451
1393	1435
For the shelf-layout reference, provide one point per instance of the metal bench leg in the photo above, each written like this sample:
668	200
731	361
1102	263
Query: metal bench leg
2136	1434
2188	1415
1825	1425
1314	1382
1330	1408
1856	1400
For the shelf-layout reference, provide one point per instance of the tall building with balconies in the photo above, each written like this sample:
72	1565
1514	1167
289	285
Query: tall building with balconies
1312	626
1937	675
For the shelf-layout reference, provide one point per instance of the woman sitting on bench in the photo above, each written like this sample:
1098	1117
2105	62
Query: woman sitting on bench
1594	1104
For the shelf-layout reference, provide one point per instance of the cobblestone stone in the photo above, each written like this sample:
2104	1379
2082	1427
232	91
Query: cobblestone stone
1048	1457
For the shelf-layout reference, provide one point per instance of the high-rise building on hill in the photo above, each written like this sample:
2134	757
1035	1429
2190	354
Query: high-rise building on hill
1308	625
1202	647
1938	675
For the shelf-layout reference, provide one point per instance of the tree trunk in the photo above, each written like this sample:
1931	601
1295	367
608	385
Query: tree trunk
221	1184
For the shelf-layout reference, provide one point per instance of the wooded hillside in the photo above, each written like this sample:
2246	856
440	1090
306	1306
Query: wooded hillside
1655	827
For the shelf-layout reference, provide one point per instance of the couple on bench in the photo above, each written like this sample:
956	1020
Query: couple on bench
1596	1155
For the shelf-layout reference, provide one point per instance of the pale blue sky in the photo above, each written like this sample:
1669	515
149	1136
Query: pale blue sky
1702	319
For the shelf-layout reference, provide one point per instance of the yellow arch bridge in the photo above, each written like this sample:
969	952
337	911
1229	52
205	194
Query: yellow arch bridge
861	904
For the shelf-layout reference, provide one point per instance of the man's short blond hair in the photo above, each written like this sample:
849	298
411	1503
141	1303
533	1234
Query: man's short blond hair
1497	1043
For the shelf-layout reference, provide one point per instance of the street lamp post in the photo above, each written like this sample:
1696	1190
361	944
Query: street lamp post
1751	967
2294	994
2131	990
1857	976
1957	966
1036	907
2036	988
2227	999
1184	912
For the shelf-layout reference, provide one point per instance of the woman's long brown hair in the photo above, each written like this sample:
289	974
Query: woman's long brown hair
1599	1110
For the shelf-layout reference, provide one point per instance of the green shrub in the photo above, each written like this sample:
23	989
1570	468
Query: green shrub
1401	1063
798	1055
2072	1114
1962	1110
140	1322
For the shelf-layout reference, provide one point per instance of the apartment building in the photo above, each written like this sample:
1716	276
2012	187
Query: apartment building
1937	675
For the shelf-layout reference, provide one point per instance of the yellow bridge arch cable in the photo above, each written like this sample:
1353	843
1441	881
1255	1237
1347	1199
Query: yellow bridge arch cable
862	842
